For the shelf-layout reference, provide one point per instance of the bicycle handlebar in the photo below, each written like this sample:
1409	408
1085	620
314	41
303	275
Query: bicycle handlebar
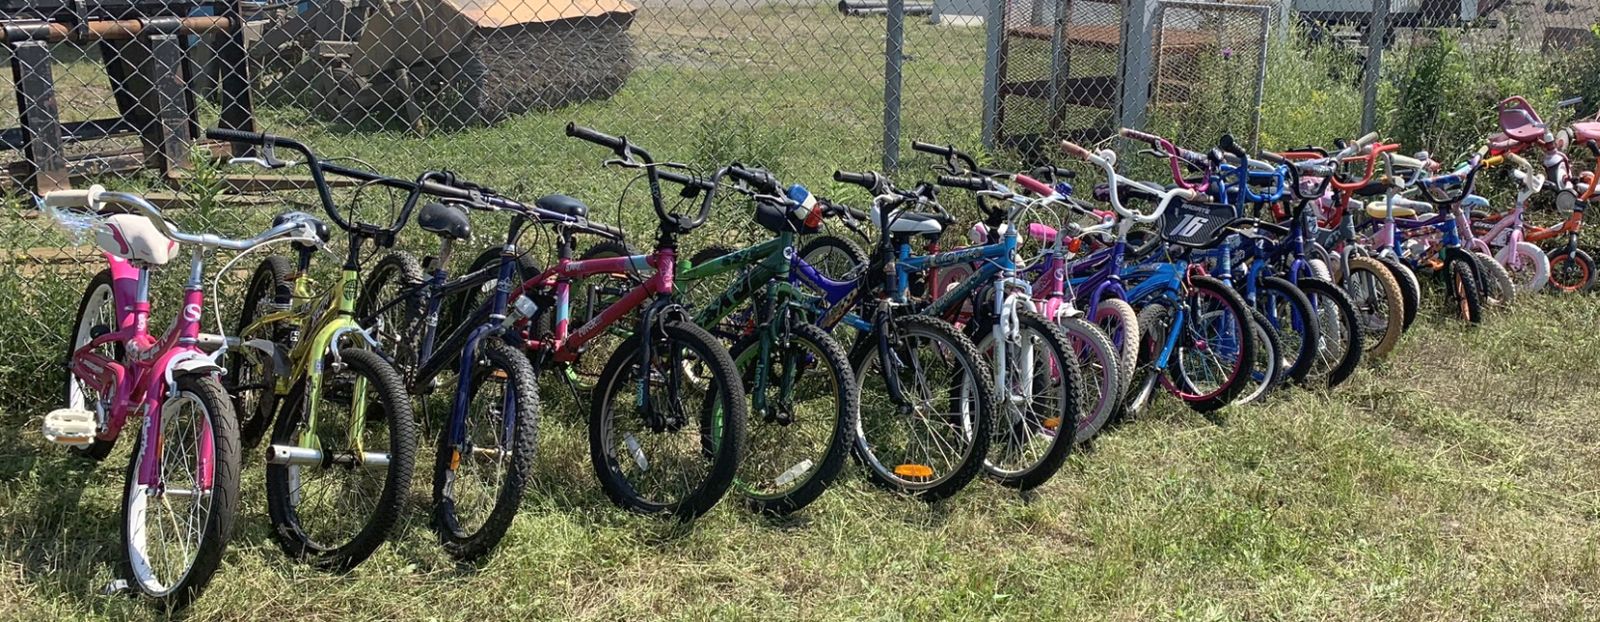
964	182
88	200
1033	185
691	185
1166	195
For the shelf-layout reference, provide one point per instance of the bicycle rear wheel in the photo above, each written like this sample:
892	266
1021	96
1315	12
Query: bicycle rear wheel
252	375
1036	423
1571	272
1461	290
678	456
934	443
174	531
335	508
96	313
396	282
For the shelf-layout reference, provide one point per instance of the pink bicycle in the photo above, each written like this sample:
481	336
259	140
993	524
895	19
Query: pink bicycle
183	479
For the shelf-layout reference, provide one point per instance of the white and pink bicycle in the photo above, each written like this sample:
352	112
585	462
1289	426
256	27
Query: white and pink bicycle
183	479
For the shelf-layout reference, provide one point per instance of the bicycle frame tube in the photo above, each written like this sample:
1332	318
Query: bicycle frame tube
142	387
659	266
337	321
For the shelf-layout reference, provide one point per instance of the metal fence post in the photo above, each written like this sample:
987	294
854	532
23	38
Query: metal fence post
1377	33
1134	89
894	59
993	22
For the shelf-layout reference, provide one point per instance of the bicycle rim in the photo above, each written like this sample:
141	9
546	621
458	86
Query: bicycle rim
791	443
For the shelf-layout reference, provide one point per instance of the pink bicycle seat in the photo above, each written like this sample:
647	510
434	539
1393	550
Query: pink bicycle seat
1519	122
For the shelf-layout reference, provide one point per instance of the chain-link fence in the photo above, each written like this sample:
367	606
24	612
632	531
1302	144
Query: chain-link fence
118	91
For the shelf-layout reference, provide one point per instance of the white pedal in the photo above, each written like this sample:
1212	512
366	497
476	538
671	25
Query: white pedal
73	427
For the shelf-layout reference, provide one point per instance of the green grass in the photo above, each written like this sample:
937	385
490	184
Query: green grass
1456	481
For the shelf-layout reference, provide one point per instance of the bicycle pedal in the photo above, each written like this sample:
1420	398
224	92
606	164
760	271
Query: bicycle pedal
73	427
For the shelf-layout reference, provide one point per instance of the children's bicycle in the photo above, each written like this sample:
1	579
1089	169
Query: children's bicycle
485	449
804	398
182	485
667	413
1198	338
342	436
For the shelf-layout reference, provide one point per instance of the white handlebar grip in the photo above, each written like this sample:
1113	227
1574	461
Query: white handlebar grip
68	199
1370	138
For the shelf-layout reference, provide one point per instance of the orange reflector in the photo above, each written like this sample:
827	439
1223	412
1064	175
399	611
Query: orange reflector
498	374
455	459
913	470
1052	423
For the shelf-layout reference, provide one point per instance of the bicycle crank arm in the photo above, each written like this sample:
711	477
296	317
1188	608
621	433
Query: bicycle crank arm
289	455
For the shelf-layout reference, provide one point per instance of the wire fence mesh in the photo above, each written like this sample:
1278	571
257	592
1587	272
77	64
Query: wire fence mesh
118	91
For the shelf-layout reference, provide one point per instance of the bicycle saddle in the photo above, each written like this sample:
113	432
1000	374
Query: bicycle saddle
1380	210
1586	131
563	204
136	239
445	221
912	223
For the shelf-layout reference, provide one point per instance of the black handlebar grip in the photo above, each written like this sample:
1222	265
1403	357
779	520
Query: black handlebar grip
968	183
1229	145
759	178
693	183
599	138
867	180
938	150
236	136
605	230
1050	170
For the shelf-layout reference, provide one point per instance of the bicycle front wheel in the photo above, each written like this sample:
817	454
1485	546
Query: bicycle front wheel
337	485
174	529
485	456
1038	416
1339	349
666	437
931	440
1215	348
1103	377
800	441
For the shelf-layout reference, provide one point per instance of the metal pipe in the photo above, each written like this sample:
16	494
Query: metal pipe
113	30
286	455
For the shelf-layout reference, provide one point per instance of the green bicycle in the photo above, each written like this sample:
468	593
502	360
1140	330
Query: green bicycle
804	401
343	441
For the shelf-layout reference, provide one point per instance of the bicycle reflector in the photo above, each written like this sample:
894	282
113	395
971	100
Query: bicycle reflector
809	205
914	471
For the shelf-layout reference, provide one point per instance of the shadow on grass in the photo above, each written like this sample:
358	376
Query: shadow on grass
53	531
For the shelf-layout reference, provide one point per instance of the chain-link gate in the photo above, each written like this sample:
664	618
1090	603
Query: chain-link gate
1209	71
